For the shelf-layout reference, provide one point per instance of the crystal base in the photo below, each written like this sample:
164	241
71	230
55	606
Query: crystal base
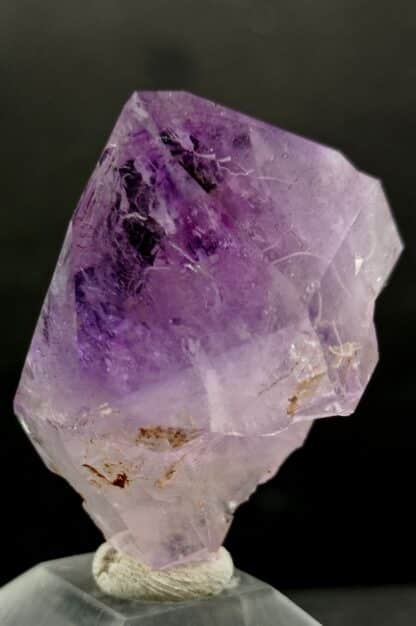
63	593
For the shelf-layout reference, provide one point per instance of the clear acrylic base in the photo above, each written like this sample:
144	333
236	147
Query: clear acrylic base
63	593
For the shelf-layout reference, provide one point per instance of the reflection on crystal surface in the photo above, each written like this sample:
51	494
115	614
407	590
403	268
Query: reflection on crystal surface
214	294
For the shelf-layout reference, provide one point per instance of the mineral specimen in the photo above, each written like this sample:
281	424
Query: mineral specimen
214	295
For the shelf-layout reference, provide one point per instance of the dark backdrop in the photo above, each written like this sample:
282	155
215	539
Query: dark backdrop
341	511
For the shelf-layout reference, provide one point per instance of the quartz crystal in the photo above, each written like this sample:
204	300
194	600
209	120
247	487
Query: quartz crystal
214	295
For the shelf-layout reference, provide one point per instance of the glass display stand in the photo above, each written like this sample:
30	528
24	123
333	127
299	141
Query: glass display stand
63	593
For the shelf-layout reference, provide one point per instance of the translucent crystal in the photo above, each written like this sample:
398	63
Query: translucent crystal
214	295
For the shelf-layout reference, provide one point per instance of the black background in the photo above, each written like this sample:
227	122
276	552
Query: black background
341	511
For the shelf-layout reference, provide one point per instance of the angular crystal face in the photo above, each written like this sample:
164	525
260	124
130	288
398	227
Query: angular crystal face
214	295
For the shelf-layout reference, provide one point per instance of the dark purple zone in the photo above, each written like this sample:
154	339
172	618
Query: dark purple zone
138	229
128	240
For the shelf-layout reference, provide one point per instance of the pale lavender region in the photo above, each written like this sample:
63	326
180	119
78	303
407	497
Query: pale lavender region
214	295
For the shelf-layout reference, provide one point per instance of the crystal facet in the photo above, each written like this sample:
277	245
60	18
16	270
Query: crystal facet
214	295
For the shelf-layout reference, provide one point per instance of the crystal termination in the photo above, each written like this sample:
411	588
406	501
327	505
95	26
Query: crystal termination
213	296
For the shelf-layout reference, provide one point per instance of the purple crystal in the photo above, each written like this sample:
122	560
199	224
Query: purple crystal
214	295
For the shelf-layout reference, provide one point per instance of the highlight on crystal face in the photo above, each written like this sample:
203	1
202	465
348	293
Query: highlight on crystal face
214	295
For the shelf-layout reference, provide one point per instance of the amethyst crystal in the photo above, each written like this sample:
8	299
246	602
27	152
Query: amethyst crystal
214	294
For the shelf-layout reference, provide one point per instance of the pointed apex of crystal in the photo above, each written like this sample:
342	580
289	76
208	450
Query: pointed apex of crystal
216	285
